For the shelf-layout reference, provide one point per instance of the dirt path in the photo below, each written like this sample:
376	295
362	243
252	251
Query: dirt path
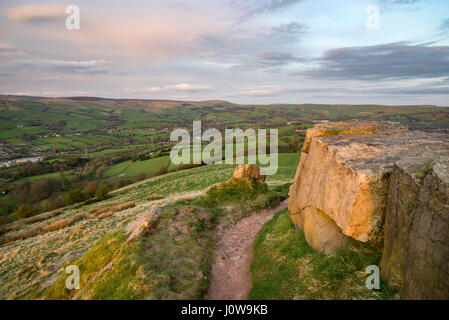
230	278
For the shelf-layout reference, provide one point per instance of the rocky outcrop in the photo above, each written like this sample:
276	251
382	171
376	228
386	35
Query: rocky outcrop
380	184
415	259
248	171
247	174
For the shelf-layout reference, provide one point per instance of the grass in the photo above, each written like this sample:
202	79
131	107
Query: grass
422	171
130	168
286	267
52	175
169	261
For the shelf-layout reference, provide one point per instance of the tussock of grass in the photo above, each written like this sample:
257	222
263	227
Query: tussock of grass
64	223
109	210
421	172
286	267
155	196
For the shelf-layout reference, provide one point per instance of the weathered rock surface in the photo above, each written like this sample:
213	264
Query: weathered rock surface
415	257
359	179
142	222
248	171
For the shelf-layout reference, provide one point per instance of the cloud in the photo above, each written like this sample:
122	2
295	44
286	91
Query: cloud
269	60
259	91
89	67
260	49
380	62
287	32
37	13
444	26
400	1
83	67
252	7
181	87
7	48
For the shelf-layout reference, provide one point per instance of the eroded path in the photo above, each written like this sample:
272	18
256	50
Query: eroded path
230	277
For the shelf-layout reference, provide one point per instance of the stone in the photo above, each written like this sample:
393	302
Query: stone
345	168
381	184
142	222
321	232
248	171
415	258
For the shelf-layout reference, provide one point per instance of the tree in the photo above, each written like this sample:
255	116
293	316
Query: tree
74	195
23	211
91	188
100	171
102	192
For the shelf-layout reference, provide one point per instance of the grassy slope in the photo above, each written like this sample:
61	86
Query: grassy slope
28	263
286	267
172	259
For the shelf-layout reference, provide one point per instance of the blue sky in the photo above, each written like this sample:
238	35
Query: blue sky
254	51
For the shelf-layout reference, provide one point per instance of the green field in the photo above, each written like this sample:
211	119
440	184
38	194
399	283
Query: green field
51	175
133	168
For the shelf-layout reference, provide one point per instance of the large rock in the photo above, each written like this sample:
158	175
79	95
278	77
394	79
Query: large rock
321	232
345	187
415	257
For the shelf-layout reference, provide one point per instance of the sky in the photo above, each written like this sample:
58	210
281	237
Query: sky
393	52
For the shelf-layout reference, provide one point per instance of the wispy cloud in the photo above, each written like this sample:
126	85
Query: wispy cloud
90	67
32	13
252	7
7	48
444	26
181	87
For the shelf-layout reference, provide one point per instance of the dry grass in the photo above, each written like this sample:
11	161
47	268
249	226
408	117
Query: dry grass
106	214
109	210
32	232
124	206
17	225
155	196
64	223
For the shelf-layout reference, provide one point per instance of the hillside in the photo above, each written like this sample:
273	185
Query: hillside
27	265
38	126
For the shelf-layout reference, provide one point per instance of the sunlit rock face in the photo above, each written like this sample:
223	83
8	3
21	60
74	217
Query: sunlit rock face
363	181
